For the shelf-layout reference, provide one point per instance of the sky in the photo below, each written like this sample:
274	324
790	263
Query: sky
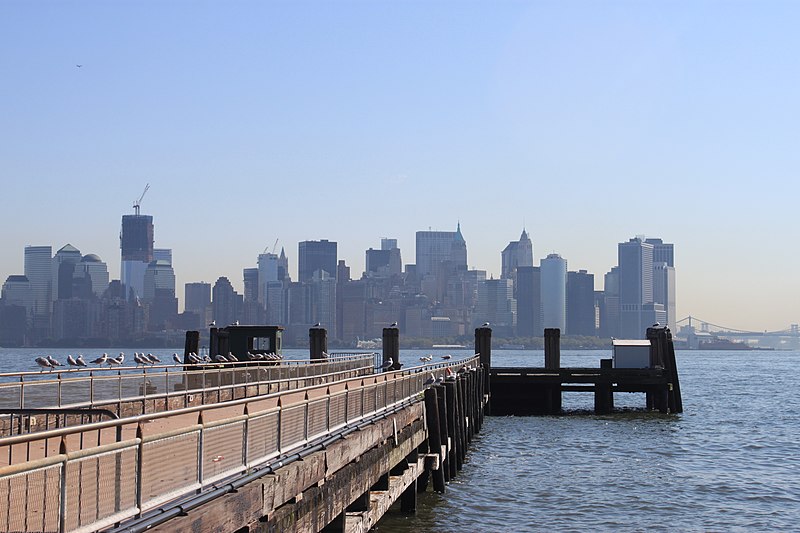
586	123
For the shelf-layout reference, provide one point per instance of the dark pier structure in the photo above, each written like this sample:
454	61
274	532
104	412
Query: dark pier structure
537	391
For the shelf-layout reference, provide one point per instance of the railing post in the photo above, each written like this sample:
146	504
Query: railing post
139	456
62	511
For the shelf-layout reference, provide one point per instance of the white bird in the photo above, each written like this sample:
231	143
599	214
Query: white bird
485	325
71	361
140	359
53	361
177	358
235	322
116	361
388	364
193	358
100	360
153	359
393	325
431	380
213	323
232	358
79	361
44	363
219	358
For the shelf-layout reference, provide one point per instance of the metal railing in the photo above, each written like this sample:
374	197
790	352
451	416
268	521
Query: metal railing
104	386
140	463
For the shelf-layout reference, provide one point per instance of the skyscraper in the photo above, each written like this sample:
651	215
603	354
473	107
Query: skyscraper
316	255
580	304
529	301
496	305
635	286
39	271
64	262
92	267
436	247
554	292
517	254
136	244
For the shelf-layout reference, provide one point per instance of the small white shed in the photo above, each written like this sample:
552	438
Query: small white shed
632	353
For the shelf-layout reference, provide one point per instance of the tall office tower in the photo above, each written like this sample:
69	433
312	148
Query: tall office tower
496	305
64	270
283	266
159	295
436	247
517	254
313	256
95	270
323	301
39	271
225	304
254	310
268	266
554	292
529	301
197	297
609	316
17	291
635	287
395	260
136	244
580	304
664	291
664	278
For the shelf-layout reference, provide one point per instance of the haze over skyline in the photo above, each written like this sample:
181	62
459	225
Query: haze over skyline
586	123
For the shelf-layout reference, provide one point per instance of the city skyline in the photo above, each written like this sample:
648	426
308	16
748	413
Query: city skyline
583	123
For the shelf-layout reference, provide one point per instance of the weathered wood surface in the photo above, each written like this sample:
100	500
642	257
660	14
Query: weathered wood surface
309	494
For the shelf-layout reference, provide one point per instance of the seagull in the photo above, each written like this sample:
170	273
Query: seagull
393	325
118	361
79	361
100	360
235	322
448	356
219	358
44	363
193	358
431	380
213	323
231	358
485	325
53	362
177	358
140	359
388	364
656	324
79	66
71	361
153	359
318	324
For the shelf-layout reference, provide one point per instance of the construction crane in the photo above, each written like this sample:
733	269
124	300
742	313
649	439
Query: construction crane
138	202
273	247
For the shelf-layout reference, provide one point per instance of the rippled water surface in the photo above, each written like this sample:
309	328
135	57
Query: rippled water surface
730	462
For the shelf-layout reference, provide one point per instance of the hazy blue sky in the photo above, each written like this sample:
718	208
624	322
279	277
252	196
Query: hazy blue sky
588	122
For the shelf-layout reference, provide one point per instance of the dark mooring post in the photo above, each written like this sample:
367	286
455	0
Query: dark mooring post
603	391
192	345
391	346
662	352
552	361
435	435
318	343
483	346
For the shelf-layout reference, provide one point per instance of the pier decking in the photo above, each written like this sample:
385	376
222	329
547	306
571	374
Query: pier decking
324	444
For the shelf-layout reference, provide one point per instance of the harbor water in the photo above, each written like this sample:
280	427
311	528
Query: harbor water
730	462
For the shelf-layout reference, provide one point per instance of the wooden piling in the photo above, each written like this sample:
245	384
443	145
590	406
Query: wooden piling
483	346
552	361
604	392
452	439
433	424
318	343
444	430
391	346
192	345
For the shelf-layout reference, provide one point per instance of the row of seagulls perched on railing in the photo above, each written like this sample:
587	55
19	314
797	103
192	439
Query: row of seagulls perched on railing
50	363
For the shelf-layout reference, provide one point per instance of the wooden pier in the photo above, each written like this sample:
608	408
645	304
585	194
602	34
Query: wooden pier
329	444
538	391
